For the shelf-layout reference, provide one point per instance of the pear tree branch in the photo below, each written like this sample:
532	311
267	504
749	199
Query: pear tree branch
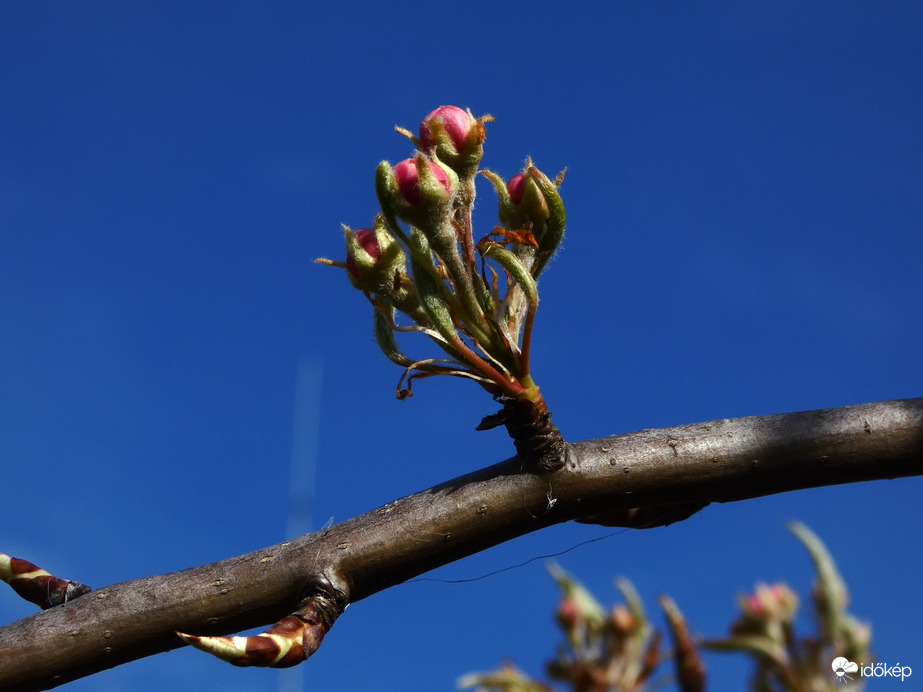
690	465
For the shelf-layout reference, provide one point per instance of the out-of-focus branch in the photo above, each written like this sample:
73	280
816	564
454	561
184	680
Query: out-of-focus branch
720	461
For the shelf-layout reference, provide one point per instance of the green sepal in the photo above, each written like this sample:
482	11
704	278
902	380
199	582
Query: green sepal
832	594
429	287
384	335
388	198
384	188
516	269
485	299
632	598
503	195
551	235
434	216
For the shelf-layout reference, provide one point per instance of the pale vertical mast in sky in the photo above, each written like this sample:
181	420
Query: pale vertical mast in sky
305	433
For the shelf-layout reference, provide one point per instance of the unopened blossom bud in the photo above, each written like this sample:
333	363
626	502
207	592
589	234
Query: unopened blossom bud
415	185
772	602
584	603
530	200
568	614
374	259
448	125
455	136
369	243
522	201
419	190
622	621
766	612
517	188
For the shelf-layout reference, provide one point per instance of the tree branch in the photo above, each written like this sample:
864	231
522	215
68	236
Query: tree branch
720	461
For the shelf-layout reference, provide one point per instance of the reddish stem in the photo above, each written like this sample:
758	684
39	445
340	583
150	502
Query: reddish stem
511	389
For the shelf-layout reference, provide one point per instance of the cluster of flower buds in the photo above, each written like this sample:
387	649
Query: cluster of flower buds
617	649
476	300
767	612
507	678
607	650
765	628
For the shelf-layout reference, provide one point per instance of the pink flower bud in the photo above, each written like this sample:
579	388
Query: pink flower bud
517	188
369	242
568	614
447	124
408	182
622	621
531	200
773	602
374	258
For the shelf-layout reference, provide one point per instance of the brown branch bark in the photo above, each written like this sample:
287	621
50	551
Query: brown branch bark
720	461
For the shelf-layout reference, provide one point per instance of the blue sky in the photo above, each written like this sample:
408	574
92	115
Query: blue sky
744	238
